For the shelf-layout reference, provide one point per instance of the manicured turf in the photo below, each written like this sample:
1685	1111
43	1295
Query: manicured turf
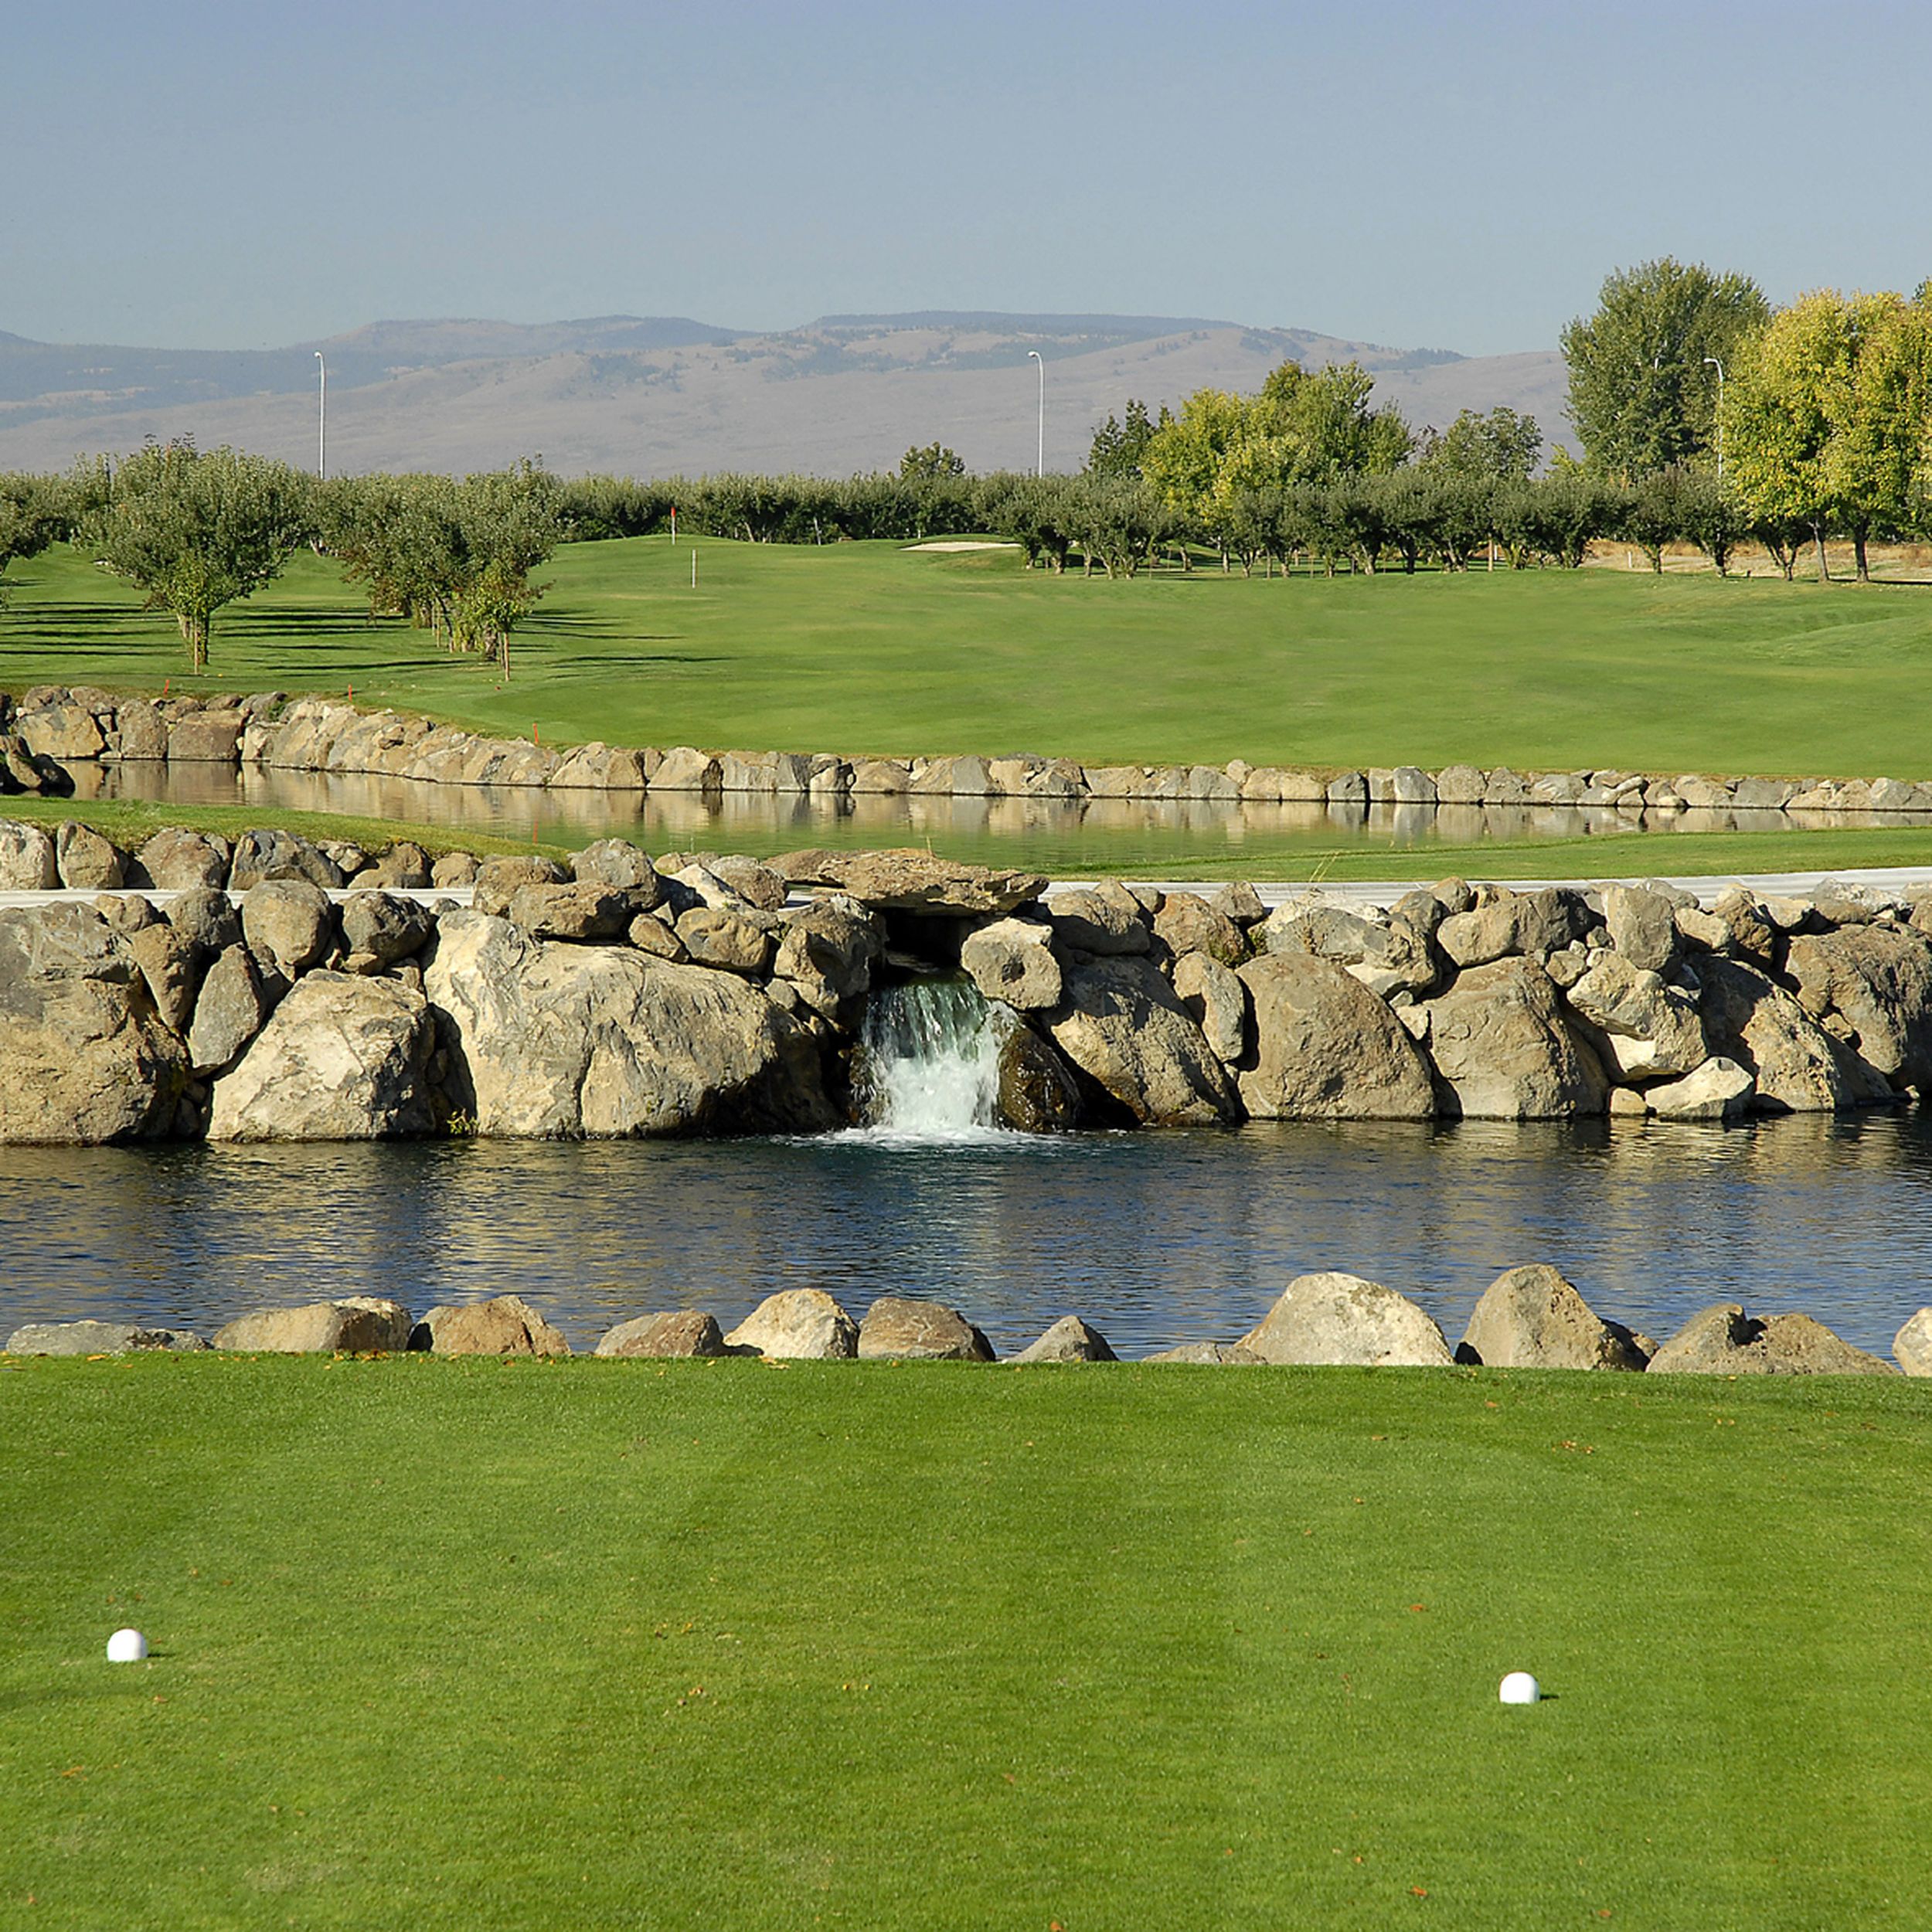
477	1644
868	647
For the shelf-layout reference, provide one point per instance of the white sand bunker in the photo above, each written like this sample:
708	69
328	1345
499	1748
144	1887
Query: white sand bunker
965	544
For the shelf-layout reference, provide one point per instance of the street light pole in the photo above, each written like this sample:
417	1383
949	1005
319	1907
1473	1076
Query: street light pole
321	415
1039	460
1714	363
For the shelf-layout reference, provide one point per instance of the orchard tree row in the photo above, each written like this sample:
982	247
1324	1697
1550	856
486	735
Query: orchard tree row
196	530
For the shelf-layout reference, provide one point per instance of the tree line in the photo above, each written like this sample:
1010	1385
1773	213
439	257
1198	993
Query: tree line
1704	415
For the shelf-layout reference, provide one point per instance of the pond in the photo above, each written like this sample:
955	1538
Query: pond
1157	1238
1155	839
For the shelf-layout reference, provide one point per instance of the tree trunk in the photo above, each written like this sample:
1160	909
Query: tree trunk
1858	552
1823	562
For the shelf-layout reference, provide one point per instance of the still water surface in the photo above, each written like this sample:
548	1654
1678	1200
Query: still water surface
1156	1238
1156	838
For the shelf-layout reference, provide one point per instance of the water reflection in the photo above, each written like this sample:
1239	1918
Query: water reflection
1160	834
1156	1238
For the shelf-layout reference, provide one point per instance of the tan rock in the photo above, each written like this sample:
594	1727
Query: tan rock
1532	1318
354	1323
897	1327
1342	1318
681	1332
803	1325
504	1324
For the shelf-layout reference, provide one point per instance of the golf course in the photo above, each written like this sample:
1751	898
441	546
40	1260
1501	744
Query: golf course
869	648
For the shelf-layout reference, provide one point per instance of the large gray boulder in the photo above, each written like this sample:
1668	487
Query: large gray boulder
582	911
1069	1339
897	1327
97	1337
501	878
85	1056
913	881
1912	1348
290	921
1325	1048
1120	1025
88	862
206	917
1642	926
270	854
1877	979
826	951
343	1058
504	1324
237	994
1725	1341
560	1040
1799	1067
354	1323
1504	1050
1186	922
379	928
1103	919
172	964
617	862
1532	1318
1531	924
1342	1318
1036	1092
797	1325
1012	960
1720	1089
1216	1000
28	862
1387	956
1212	1355
679	1332
173	860
1645	1028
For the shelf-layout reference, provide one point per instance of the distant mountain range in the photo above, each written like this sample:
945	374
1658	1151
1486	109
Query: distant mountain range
659	396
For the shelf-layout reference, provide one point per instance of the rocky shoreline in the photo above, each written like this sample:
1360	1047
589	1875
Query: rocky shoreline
1528	1318
272	988
50	728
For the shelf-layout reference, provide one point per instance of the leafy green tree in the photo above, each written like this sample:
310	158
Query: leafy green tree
1502	447
934	461
1827	421
35	513
1118	448
1037	512
1641	395
1120	520
509	523
196	532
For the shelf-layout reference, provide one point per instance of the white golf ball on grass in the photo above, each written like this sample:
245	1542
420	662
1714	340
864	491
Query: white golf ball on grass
1520	1688
127	1647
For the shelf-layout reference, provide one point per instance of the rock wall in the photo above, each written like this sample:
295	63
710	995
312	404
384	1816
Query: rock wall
1529	1317
269	987
51	726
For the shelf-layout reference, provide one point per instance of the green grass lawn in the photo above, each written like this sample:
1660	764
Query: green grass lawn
869	648
470	1645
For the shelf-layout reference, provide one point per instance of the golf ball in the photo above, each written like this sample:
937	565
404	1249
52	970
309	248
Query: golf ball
1519	1688
127	1647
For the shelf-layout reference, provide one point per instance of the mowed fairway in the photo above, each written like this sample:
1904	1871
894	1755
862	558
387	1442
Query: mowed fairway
472	1644
873	648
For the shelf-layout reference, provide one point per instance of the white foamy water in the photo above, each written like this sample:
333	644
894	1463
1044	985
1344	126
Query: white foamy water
930	1069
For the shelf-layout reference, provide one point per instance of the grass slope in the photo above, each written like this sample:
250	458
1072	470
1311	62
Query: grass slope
468	1644
868	648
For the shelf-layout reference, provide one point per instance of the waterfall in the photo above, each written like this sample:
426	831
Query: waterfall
930	1068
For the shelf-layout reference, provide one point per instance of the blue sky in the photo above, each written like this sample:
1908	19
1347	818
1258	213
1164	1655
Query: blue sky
218	174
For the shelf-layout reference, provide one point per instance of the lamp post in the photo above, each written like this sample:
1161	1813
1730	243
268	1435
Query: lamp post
321	415
1712	361
1039	460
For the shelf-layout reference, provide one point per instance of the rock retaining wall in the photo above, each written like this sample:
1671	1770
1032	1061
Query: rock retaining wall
51	726
616	996
1529	1317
